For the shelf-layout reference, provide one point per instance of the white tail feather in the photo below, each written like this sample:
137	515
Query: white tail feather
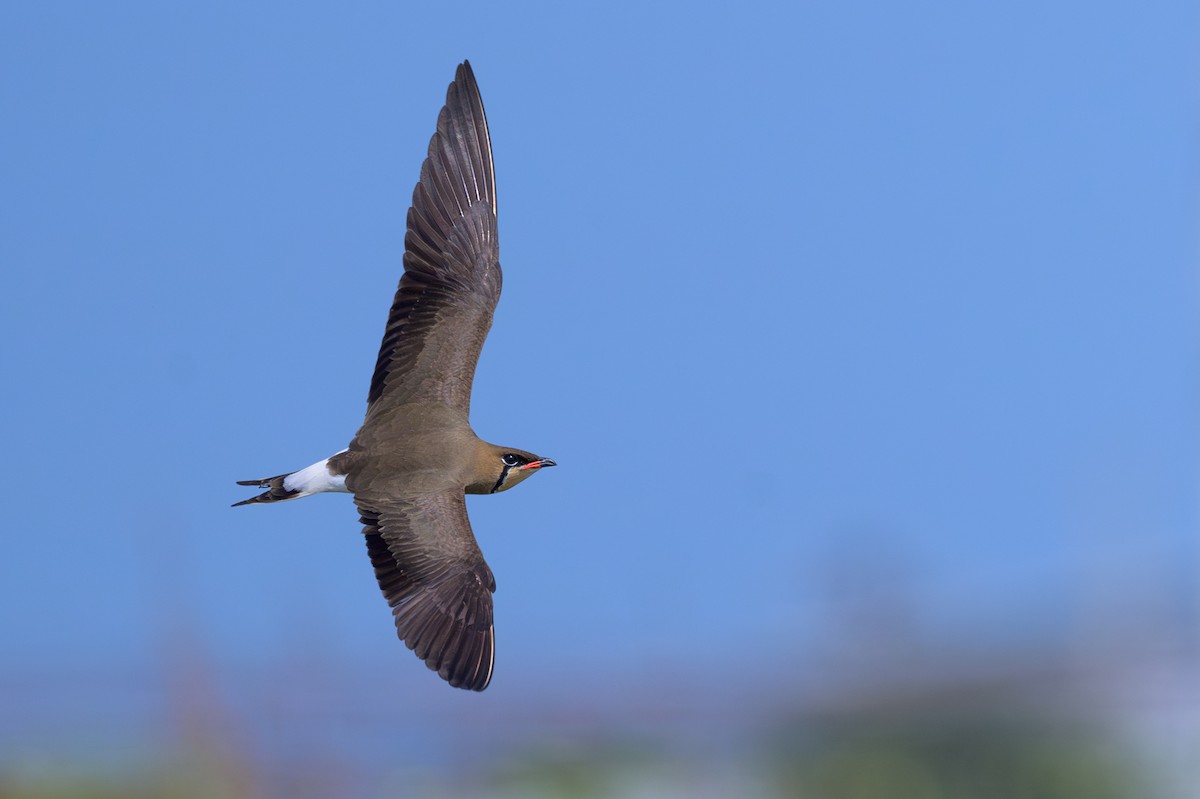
315	479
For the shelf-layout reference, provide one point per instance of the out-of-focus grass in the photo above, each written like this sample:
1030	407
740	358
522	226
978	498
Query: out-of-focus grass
196	780
927	753
1014	734
868	756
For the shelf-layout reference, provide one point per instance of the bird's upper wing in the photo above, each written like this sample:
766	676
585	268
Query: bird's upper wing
434	577
451	283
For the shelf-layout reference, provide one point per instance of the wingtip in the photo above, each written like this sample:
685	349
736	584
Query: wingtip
464	76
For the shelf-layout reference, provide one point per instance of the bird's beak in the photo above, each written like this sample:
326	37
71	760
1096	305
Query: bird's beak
538	464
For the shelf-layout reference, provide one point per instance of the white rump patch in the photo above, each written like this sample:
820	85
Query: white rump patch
315	479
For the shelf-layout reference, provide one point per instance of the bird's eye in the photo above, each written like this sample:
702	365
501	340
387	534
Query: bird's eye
511	460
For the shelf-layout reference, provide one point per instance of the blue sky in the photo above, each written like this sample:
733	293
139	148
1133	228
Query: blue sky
810	301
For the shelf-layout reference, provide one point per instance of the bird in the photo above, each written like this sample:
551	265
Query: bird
415	457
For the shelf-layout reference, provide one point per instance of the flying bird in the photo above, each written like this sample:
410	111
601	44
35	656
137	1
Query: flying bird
416	456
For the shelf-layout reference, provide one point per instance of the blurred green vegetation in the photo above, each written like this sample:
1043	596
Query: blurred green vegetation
929	753
990	753
1015	738
199	779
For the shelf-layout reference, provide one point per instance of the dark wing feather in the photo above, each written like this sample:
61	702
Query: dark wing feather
443	306
435	579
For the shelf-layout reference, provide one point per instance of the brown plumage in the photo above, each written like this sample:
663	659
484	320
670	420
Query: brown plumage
415	455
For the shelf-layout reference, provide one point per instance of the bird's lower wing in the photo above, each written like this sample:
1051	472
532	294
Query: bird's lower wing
436	580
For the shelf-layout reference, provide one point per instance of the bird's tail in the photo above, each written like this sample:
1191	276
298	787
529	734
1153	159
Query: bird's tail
326	475
276	491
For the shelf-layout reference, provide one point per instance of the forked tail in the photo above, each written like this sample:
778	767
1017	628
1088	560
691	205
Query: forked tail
326	475
276	491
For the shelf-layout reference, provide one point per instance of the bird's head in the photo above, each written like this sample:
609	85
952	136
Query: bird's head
504	467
